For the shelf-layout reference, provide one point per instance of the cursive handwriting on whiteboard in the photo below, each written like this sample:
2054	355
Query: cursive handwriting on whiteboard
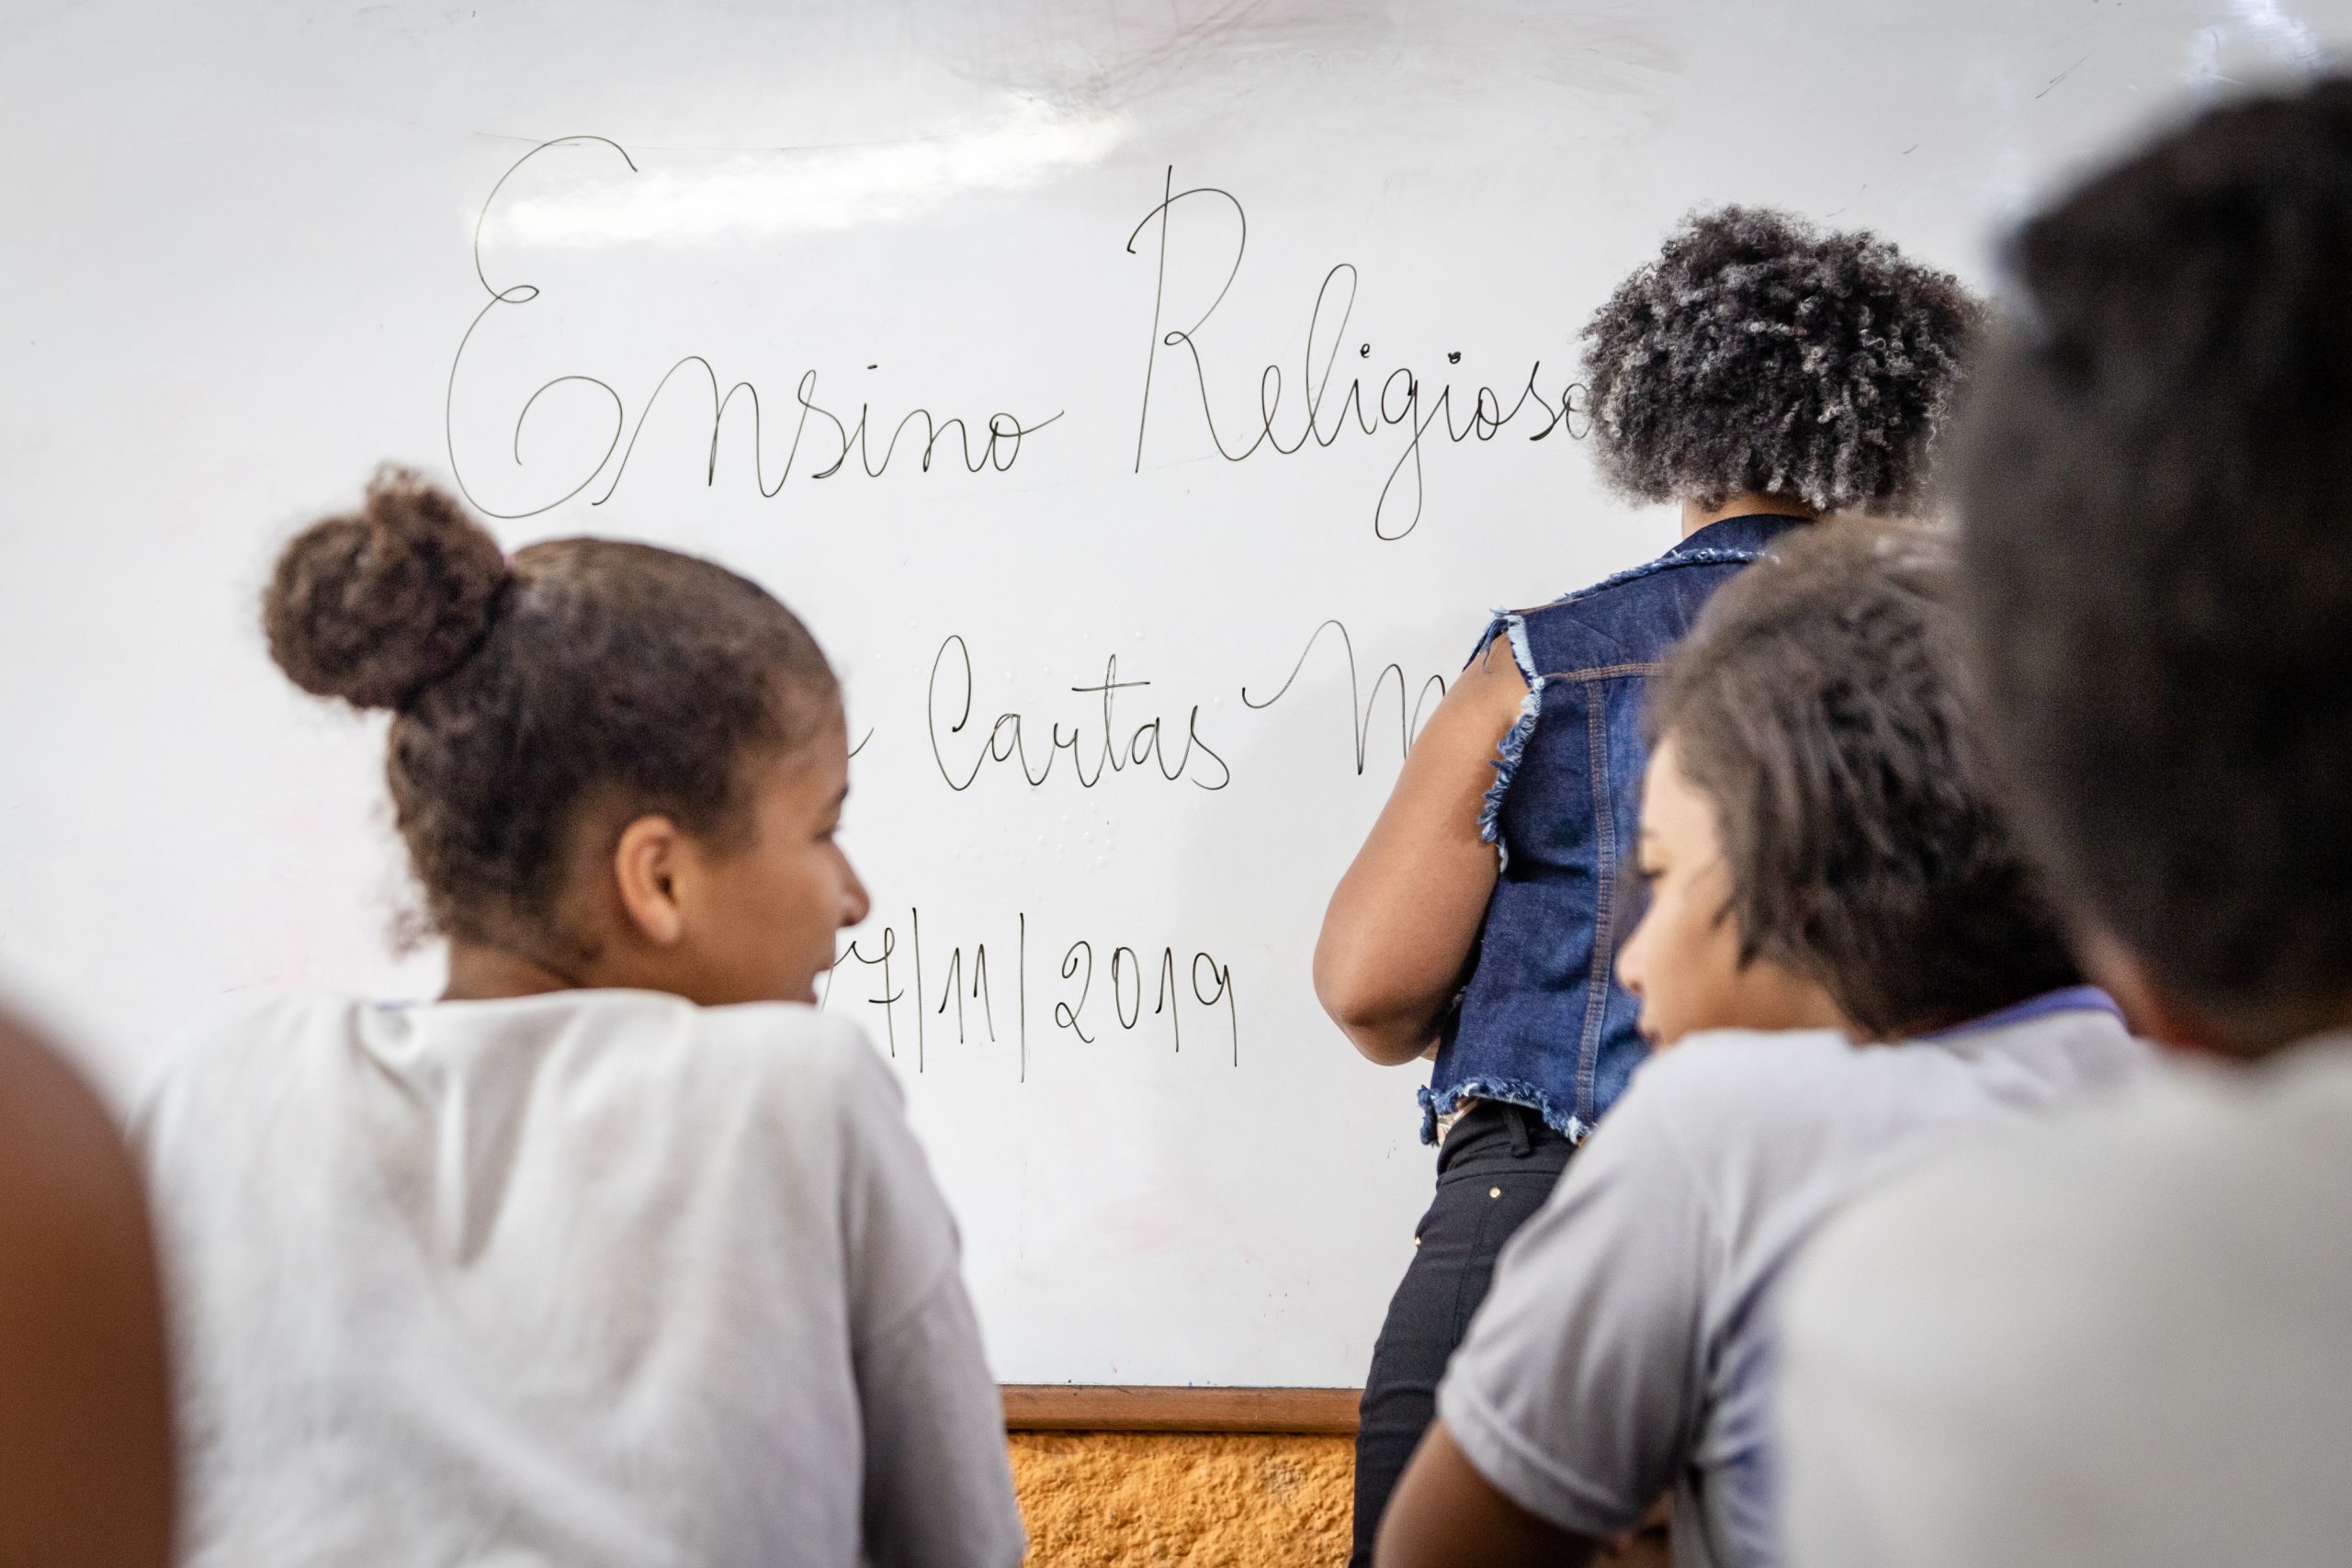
1397	403
994	445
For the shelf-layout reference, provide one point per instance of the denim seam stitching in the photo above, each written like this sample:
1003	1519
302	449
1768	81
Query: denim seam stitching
1605	914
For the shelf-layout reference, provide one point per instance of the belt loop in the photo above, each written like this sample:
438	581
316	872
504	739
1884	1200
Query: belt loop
1521	1146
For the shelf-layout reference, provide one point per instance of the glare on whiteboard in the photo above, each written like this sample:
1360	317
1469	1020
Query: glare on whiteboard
749	195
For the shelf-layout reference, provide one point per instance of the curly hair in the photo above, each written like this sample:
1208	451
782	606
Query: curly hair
2154	484
1822	704
588	672
1757	353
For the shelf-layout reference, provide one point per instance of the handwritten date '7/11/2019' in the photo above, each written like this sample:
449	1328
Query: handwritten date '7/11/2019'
1087	993
828	439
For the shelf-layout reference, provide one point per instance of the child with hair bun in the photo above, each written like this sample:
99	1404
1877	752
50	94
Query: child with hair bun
619	1253
1760	373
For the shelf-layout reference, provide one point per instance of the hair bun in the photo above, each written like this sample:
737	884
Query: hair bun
376	607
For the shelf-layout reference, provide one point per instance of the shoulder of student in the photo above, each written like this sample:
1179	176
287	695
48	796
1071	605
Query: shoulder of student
1635	582
790	1056
799	1042
1725	1086
817	1058
2141	1308
1621	619
2173	1225
1739	1093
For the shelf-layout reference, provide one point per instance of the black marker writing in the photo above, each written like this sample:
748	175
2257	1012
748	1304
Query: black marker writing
1360	705
1064	1013
947	705
1208	982
1399	400
995	445
886	998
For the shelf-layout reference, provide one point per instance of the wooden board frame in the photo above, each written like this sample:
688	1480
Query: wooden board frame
1110	1407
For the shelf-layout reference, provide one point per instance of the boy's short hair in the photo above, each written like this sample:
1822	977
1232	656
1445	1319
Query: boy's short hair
1820	704
2156	486
1759	352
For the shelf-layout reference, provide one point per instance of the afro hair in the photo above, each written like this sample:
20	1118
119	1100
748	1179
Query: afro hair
1757	353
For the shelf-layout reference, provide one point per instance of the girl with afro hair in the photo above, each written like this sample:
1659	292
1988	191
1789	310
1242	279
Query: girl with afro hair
1761	374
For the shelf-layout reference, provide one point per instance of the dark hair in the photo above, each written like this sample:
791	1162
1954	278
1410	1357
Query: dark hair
1759	352
1819	704
590	672
2156	481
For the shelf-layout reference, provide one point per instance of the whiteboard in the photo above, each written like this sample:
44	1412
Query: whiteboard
1144	401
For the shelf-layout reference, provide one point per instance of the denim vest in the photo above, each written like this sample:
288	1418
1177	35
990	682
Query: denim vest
1542	1022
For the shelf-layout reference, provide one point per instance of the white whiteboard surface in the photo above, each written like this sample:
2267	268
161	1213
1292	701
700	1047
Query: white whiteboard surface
241	261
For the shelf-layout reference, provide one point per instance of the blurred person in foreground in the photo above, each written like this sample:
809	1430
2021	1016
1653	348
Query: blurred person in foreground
2126	1338
85	1436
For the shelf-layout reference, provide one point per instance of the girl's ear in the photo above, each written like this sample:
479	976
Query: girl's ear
647	865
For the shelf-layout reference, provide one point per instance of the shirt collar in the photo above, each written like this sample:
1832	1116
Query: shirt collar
1750	531
2070	998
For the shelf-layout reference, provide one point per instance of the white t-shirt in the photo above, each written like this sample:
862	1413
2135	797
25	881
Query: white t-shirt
1620	1350
588	1280
2121	1339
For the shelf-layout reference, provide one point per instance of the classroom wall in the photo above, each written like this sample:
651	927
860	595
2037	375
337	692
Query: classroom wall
1215	1500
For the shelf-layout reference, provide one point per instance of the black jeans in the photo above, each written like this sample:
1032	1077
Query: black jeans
1498	1166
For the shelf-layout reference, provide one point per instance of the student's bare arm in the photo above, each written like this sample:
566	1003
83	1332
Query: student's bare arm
85	1443
1397	936
1445	1515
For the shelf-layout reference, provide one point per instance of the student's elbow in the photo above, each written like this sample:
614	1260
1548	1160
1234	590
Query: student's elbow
1386	1026
1446	1514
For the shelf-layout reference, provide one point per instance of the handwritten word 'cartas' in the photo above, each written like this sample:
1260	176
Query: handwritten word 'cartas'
962	750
